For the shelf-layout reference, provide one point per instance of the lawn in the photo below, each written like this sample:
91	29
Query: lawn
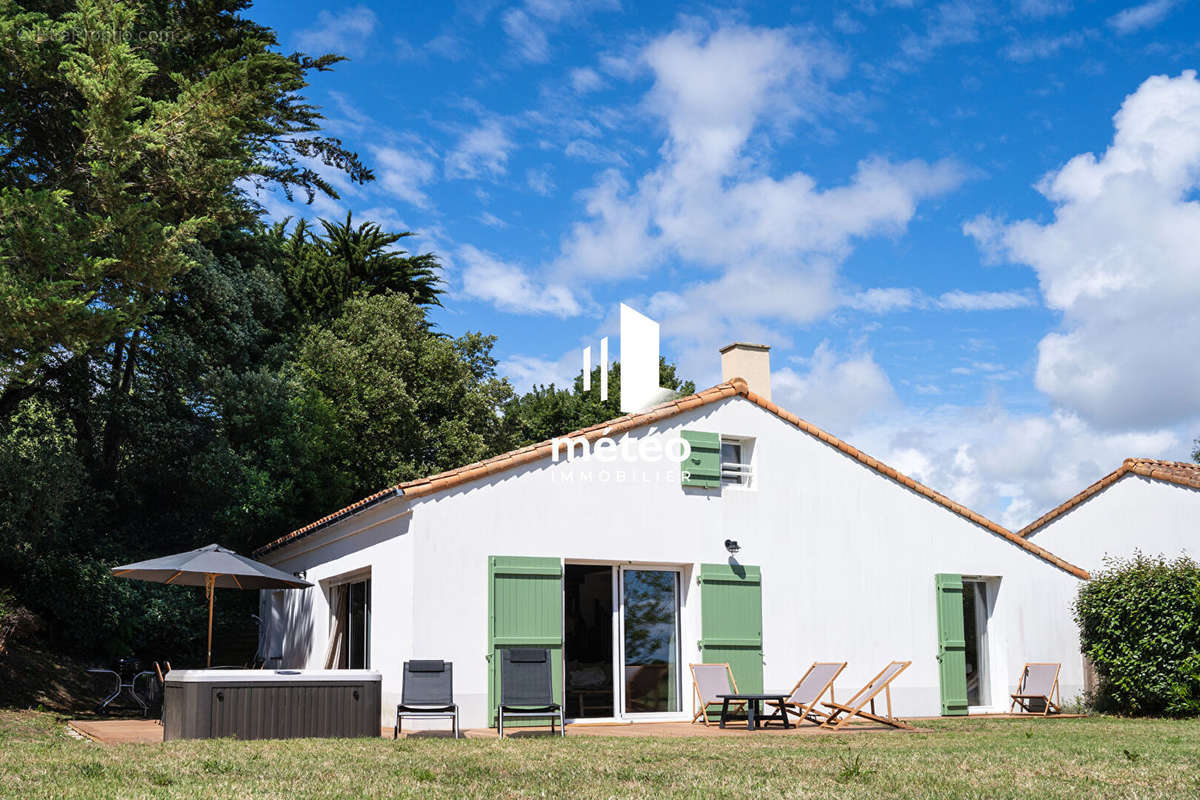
1076	759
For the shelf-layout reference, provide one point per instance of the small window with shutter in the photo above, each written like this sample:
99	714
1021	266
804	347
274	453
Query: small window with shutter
702	468
737	463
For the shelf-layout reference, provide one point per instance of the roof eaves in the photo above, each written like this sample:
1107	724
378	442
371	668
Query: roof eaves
327	520
1180	473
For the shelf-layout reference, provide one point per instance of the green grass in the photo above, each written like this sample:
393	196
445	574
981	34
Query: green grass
1076	759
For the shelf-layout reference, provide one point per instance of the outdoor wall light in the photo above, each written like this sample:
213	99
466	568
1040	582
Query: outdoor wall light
732	547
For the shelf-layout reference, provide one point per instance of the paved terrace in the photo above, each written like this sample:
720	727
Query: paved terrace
148	731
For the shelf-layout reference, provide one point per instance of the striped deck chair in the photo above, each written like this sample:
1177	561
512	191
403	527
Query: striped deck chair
810	689
1038	684
854	706
708	681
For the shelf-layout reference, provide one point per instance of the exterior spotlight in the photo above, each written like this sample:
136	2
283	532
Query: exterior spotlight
732	547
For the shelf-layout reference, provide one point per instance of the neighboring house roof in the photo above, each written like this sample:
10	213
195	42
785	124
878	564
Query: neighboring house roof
733	388
1182	473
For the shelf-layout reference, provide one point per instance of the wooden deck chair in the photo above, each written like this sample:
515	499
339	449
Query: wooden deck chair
1037	685
810	689
708	681
854	706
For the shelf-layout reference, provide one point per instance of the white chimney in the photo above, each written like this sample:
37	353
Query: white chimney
751	362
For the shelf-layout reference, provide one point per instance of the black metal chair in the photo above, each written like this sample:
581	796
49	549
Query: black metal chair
125	678
428	693
527	687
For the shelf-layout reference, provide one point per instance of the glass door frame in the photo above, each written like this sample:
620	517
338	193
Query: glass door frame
619	649
618	632
988	587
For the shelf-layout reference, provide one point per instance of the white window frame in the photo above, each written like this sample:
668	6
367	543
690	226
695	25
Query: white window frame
744	469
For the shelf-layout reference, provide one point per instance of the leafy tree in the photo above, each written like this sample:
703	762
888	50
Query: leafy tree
407	402
547	411
1139	623
322	273
129	131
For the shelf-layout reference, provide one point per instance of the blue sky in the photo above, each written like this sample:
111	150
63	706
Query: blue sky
968	230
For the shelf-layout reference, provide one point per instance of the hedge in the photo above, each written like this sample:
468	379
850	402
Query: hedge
1139	621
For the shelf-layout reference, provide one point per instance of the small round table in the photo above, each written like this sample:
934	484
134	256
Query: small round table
754	716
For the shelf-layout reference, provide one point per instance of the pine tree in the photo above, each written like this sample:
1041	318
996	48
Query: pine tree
129	131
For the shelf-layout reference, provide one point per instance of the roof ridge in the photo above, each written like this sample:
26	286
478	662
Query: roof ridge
1158	469
420	487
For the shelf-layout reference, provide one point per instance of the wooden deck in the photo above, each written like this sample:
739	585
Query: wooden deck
148	731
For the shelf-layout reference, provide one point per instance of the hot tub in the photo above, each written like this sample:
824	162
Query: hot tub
270	704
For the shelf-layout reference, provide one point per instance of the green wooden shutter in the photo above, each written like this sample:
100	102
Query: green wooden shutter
731	621
524	610
703	467
952	644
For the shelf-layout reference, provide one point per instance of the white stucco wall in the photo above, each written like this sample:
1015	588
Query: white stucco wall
1135	513
848	560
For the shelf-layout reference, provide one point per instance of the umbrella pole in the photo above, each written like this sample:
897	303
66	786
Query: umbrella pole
210	588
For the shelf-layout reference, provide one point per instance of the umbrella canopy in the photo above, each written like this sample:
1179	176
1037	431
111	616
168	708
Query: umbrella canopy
211	567
193	568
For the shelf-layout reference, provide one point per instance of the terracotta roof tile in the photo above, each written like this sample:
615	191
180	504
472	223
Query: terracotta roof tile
1182	473
737	386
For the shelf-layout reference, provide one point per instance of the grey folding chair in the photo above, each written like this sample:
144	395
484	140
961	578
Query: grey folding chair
856	705
428	693
708	682
809	690
527	687
1037	690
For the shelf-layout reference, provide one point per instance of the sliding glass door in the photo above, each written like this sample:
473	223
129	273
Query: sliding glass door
650	640
621	641
588	601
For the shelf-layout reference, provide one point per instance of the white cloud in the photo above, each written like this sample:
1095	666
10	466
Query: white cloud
539	180
1141	17
480	152
345	33
509	287
524	371
887	300
526	34
401	174
712	91
1010	467
984	301
529	25
835	393
445	45
946	24
1037	47
586	150
492	221
1121	262
1039	9
586	79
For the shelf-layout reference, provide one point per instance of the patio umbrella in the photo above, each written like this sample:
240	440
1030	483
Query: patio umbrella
211	567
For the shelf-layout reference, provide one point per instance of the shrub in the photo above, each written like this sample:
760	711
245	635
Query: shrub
1139	623
14	620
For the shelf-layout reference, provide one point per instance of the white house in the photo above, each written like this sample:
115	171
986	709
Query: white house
775	546
1149	505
